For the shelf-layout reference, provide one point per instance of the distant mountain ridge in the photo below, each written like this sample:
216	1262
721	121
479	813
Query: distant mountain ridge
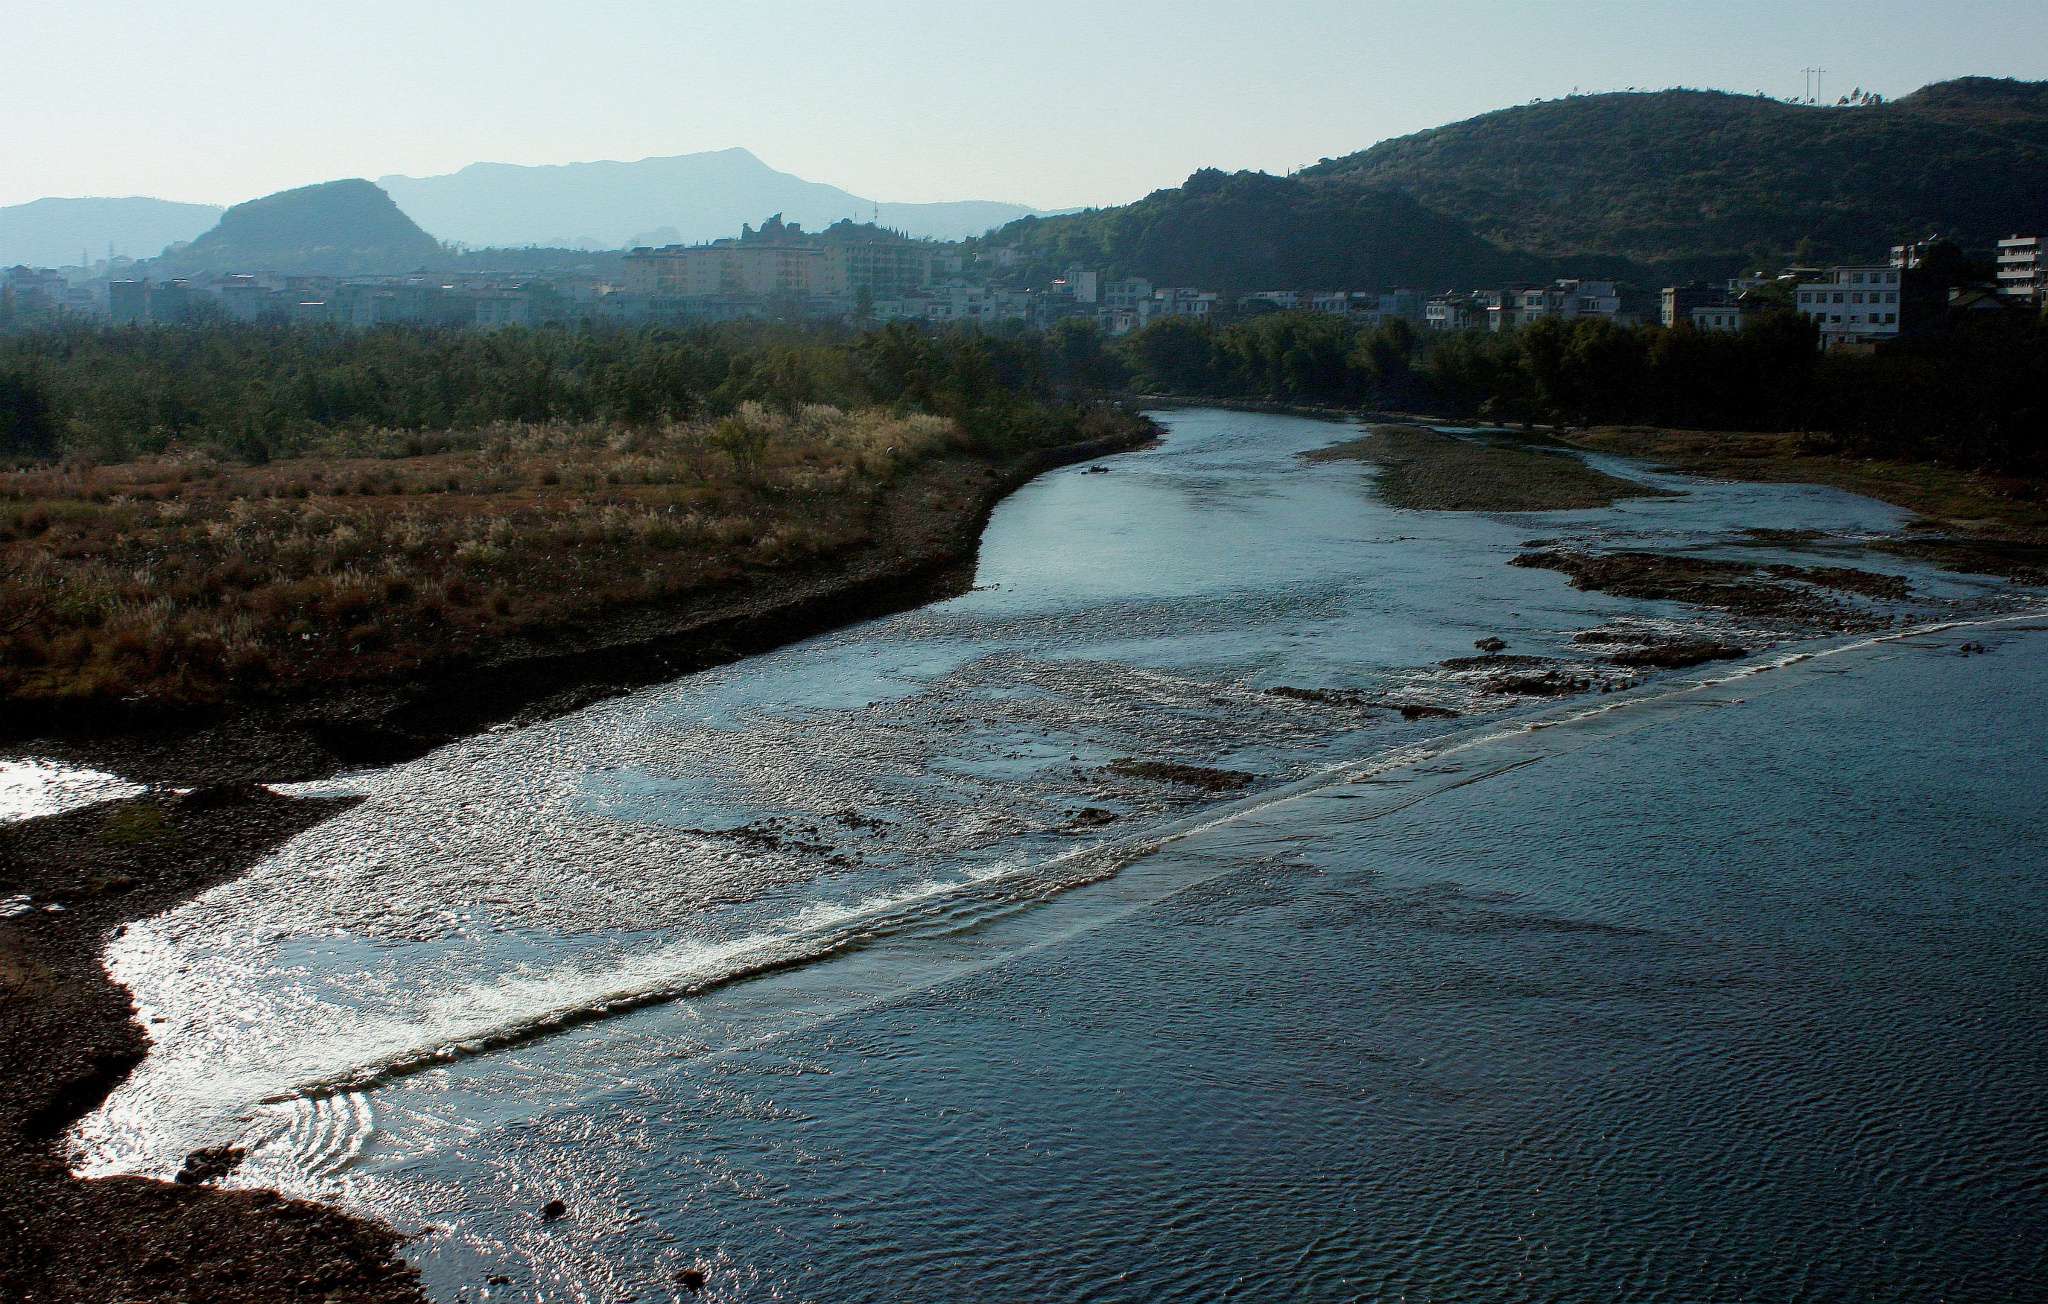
684	198
1703	177
338	228
54	232
1648	187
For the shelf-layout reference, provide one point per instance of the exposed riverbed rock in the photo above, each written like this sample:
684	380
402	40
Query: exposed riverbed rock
1741	587
1492	662
1422	711
1846	579
1193	776
1551	683
1323	696
209	1164
1355	700
1678	653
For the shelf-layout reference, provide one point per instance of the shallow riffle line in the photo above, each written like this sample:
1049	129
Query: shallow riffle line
1045	879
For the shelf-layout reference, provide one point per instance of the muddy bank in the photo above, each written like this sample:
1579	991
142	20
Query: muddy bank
1800	593
68	1035
923	552
1422	468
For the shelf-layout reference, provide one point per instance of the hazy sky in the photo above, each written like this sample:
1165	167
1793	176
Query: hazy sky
1053	102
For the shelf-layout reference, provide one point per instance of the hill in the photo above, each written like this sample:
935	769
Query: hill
337	227
1707	179
681	199
1250	231
54	232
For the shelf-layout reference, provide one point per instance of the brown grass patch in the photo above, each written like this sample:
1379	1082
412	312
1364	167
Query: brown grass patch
180	579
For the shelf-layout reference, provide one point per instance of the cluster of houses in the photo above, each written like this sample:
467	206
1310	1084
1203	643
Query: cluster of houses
1859	306
861	273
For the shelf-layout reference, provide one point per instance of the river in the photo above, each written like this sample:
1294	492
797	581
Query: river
879	967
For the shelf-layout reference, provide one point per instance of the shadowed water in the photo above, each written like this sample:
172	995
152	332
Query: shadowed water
1715	992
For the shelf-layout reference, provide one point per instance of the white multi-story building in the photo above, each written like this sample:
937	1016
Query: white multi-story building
1367	305
1454	312
1567	299
1732	315
1126	293
975	304
2022	275
1285	300
1853	305
1125	312
1195	305
1377	309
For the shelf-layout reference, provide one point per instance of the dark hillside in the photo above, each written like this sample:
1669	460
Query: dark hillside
1708	178
1251	231
337	227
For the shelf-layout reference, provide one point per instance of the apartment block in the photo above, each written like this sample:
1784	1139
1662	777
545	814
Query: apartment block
2021	273
1853	305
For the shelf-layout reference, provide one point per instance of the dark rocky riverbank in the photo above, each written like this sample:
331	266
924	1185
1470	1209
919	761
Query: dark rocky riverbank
68	1034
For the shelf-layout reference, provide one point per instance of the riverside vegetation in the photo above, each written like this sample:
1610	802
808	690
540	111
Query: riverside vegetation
198	513
203	512
1969	396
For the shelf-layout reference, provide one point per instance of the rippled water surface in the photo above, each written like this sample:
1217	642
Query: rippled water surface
862	971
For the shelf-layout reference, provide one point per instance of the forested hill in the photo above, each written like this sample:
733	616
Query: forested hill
1709	178
1252	231
337	227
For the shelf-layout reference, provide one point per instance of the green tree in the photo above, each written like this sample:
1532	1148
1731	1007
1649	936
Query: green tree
1173	355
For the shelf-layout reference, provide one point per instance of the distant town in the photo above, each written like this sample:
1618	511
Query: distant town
863	273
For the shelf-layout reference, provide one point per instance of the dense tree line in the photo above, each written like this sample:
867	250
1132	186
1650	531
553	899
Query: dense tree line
1972	394
1969	394
258	391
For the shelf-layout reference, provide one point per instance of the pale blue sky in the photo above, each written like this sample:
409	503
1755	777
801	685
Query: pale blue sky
1052	102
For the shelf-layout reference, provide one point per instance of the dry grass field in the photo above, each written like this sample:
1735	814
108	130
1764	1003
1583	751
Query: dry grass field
179	578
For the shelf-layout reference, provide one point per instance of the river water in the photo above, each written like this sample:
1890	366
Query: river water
861	970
